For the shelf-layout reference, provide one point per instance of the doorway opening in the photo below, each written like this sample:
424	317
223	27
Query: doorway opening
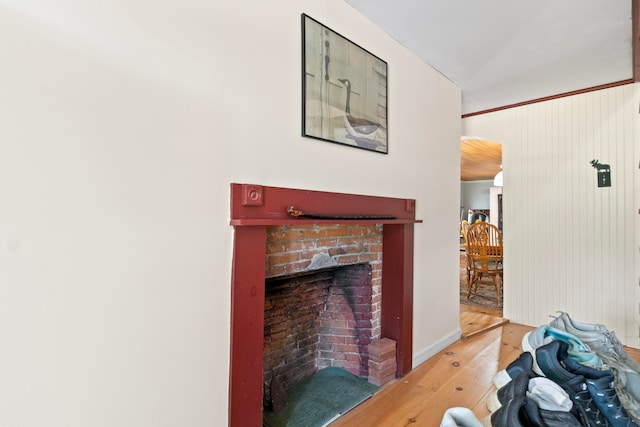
480	199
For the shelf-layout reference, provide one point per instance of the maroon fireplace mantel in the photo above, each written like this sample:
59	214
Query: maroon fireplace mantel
253	208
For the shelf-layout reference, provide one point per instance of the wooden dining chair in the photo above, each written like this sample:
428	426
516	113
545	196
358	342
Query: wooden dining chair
484	256
464	227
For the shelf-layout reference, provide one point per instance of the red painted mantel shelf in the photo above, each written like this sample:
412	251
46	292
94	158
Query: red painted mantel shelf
255	205
290	221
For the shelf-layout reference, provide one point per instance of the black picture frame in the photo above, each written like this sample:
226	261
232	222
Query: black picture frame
344	90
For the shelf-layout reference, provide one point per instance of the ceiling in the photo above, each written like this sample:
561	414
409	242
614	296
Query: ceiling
505	52
479	159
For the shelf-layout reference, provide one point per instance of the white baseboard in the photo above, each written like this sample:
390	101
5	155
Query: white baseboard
427	353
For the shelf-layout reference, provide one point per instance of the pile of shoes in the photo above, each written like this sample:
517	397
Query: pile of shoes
569	374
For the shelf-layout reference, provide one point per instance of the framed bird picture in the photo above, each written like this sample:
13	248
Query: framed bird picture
344	90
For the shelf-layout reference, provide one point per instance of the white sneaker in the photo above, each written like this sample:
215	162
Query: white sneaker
460	417
548	395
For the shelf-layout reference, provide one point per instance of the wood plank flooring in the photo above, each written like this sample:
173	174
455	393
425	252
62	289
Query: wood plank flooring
460	375
476	320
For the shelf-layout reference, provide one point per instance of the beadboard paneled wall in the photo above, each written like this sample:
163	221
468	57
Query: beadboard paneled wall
570	245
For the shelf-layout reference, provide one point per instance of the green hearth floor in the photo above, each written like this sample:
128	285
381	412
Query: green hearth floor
321	399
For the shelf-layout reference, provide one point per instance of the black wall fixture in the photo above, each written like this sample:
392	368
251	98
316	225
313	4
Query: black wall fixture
604	173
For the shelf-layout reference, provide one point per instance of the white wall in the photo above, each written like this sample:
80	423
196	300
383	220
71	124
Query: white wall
570	245
475	194
123	124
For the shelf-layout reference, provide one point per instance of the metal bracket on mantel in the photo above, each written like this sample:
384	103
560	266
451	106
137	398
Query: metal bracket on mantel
297	213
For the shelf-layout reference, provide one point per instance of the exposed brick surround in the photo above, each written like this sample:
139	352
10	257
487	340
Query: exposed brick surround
291	249
346	324
320	314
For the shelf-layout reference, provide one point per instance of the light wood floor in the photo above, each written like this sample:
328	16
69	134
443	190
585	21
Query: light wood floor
460	375
476	320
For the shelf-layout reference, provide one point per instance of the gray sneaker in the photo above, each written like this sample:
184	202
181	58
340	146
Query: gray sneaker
600	340
627	387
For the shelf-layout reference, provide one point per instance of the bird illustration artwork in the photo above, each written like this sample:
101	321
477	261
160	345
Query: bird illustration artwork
361	130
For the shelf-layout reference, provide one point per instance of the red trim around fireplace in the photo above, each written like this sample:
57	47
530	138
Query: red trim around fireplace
253	208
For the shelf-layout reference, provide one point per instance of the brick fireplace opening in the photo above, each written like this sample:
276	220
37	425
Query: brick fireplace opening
315	320
255	210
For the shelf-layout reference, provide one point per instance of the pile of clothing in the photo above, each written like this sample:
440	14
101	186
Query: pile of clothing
570	374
